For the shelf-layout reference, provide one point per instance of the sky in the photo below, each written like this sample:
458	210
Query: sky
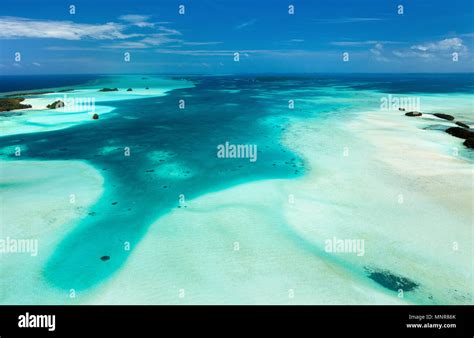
270	36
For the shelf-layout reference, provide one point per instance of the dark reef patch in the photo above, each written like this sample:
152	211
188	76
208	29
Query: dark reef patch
444	116
390	280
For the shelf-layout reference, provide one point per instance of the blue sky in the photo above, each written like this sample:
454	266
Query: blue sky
268	39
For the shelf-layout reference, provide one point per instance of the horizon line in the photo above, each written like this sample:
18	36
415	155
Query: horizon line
241	74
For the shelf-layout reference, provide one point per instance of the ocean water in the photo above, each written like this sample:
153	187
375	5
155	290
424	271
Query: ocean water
12	83
152	153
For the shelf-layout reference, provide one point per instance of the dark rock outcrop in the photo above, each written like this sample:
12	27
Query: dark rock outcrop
401	109
108	90
469	143
461	124
147	88
460	132
391	281
104	258
129	89
413	113
95	116
444	116
7	104
55	105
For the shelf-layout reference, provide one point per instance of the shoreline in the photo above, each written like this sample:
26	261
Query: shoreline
39	118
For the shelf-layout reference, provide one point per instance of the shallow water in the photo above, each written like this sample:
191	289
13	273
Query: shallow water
172	152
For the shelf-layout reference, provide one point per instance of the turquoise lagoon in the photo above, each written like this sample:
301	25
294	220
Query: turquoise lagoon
156	158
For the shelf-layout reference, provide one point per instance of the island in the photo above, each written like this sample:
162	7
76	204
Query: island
55	105
7	104
108	90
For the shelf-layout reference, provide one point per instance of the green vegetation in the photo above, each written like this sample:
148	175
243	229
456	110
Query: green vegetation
7	104
55	105
108	90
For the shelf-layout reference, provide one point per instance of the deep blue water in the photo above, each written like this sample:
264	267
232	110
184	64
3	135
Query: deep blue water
414	83
394	83
10	83
390	83
135	197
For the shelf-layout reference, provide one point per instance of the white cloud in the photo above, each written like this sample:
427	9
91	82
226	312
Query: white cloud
377	50
227	52
15	27
455	44
158	39
191	43
196	52
127	45
137	20
169	31
352	43
377	53
71	48
412	54
432	50
245	24
361	43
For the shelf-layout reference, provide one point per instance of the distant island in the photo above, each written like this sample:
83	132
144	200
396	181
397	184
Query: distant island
108	90
7	104
55	105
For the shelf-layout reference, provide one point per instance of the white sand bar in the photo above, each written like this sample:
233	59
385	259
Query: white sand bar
378	178
43	201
